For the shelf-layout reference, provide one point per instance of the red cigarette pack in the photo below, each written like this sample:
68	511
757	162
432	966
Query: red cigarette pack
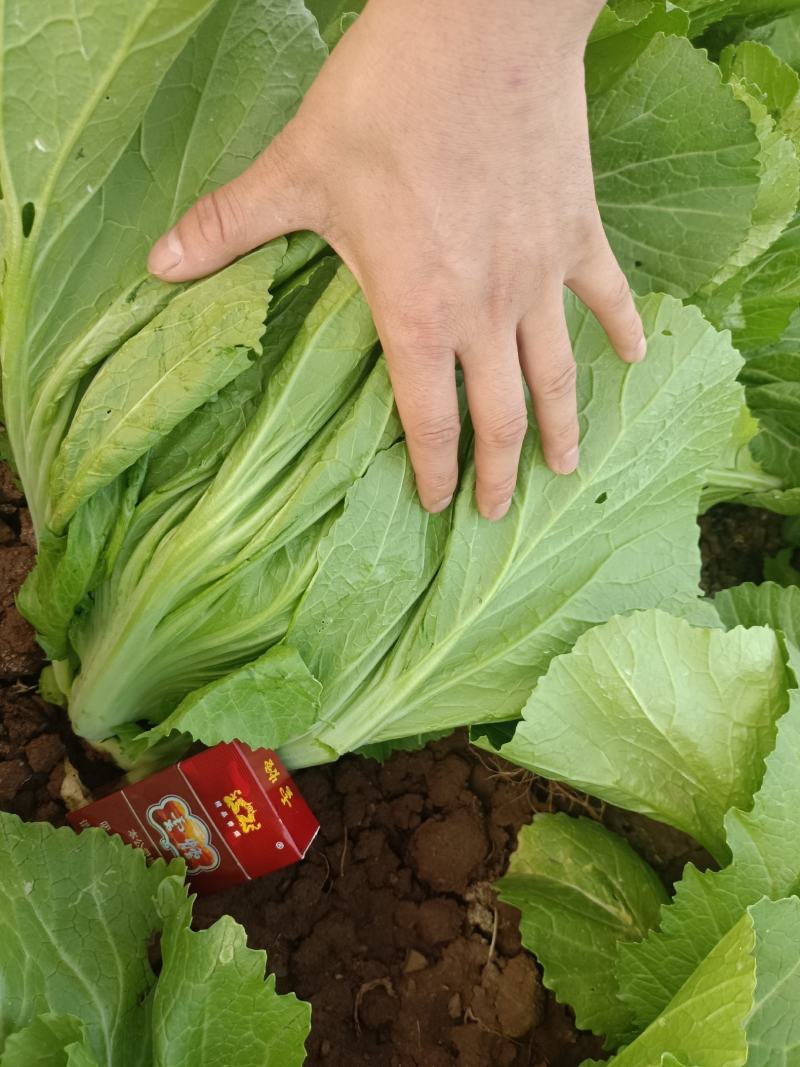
231	812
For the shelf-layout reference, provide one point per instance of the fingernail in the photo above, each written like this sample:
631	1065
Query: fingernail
440	505
166	255
641	351
499	510
568	462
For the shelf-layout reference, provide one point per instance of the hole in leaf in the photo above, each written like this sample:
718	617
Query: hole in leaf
602	498
28	218
638	263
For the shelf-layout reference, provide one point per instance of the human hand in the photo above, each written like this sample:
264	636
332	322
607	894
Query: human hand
443	152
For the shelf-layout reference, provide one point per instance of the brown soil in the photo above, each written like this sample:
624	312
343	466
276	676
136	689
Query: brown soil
734	541
390	927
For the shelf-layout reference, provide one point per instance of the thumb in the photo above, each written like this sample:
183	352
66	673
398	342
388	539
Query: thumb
260	204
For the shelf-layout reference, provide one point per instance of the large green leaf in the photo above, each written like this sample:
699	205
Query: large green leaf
237	81
192	349
77	917
375	564
761	605
622	33
676	185
75	920
705	13
512	595
212	1005
766	295
742	1003
264	703
301	451
765	861
581	890
659	717
783	37
768	88
59	143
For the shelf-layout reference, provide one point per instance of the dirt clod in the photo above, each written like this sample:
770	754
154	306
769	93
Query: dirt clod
446	853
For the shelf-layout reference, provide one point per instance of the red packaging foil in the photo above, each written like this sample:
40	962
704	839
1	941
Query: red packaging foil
231	812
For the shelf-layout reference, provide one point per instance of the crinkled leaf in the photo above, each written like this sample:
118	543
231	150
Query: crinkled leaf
264	703
779	187
742	1003
193	348
64	570
766	295
199	443
76	916
783	37
48	1041
581	889
765	861
705	13
659	717
619	16
676	194
758	66
621	34
761	605
212	1005
705	1020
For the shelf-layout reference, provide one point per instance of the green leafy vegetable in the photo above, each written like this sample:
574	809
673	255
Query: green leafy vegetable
676	197
765	861
225	514
660	717
581	890
740	1005
77	915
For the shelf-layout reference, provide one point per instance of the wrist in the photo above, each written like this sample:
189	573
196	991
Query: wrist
571	20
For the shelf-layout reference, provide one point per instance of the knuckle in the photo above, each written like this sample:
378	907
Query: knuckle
437	484
218	217
435	431
618	297
423	335
561	435
559	384
500	488
505	431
